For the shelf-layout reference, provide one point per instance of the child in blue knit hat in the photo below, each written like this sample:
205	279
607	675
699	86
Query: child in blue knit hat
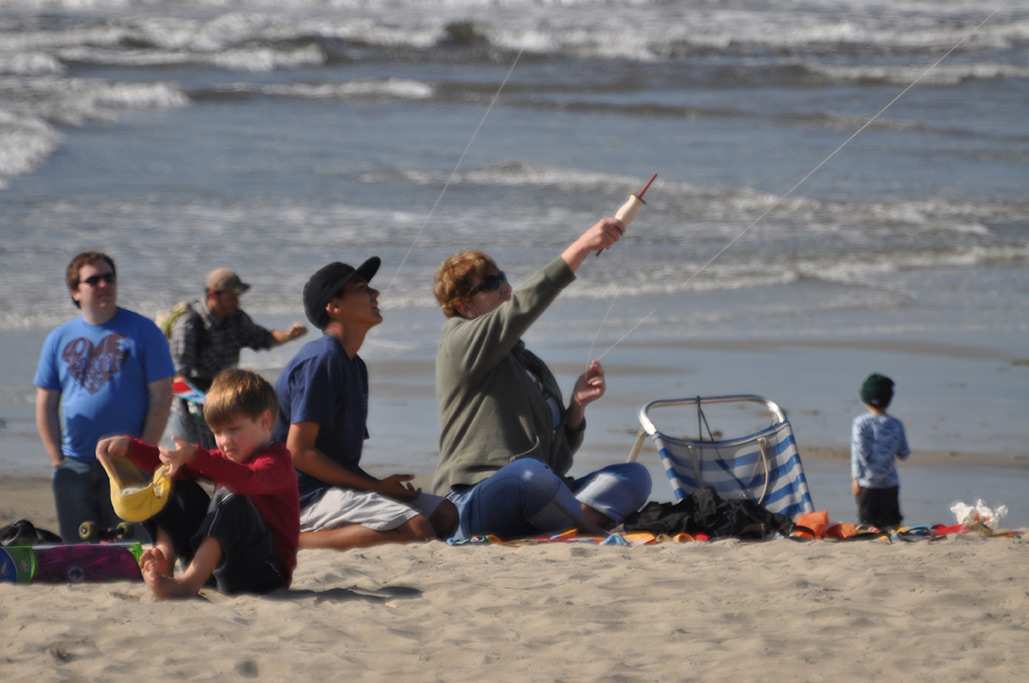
877	440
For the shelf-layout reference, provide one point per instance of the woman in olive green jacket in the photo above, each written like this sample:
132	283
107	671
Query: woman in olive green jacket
507	438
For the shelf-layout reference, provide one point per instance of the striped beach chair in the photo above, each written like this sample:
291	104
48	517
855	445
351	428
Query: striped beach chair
763	466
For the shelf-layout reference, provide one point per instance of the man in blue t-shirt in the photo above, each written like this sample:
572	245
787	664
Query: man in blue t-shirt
323	411
107	372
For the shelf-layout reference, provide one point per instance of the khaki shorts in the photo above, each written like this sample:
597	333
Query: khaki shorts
338	507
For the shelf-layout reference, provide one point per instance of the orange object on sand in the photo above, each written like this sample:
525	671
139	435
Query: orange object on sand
842	531
814	524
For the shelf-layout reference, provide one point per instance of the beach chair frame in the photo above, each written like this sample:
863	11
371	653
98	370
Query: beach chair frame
764	466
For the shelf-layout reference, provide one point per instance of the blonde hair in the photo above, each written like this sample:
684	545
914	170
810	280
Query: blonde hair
457	276
236	392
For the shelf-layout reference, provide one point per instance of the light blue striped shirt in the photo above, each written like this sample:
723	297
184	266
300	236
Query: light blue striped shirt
875	443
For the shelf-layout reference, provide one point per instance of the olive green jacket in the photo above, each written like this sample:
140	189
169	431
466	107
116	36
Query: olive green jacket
491	410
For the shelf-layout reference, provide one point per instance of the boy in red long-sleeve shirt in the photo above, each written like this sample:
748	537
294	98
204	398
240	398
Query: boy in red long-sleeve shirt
245	536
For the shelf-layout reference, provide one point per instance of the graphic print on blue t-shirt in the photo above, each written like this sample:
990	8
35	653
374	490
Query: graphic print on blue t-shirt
321	384
94	366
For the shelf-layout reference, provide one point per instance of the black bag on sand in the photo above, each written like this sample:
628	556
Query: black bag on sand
703	511
24	532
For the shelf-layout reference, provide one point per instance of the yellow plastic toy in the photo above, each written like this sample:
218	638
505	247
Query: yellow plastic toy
135	497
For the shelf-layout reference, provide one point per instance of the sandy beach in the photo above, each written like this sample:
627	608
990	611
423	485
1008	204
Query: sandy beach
780	254
949	610
944	611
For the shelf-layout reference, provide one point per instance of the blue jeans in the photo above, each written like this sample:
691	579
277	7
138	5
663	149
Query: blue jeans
525	498
82	493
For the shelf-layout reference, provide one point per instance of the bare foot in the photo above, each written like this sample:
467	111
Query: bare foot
165	587
155	579
155	559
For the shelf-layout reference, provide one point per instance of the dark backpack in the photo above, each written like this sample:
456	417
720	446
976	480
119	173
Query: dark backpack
704	511
24	532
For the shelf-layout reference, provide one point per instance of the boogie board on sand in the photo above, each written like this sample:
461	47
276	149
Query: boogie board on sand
17	564
72	563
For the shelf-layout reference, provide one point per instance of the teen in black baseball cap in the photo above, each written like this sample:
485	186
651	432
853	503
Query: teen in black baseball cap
328	282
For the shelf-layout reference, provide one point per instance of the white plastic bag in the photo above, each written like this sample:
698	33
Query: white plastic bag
969	515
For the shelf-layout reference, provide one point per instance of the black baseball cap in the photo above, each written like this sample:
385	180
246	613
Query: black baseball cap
327	282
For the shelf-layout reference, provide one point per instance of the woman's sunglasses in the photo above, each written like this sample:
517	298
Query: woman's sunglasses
490	283
94	280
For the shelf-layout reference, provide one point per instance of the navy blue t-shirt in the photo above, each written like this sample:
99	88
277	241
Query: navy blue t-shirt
322	384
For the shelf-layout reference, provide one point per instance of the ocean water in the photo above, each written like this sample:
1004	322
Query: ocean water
182	135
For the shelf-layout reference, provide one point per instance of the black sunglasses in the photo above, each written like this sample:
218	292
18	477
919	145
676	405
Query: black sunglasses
94	280
490	283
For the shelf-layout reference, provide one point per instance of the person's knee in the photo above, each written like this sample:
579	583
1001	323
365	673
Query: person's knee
615	492
631	479
638	479
444	519
226	500
233	511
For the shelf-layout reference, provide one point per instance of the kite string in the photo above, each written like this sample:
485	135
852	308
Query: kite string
453	172
807	176
593	343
